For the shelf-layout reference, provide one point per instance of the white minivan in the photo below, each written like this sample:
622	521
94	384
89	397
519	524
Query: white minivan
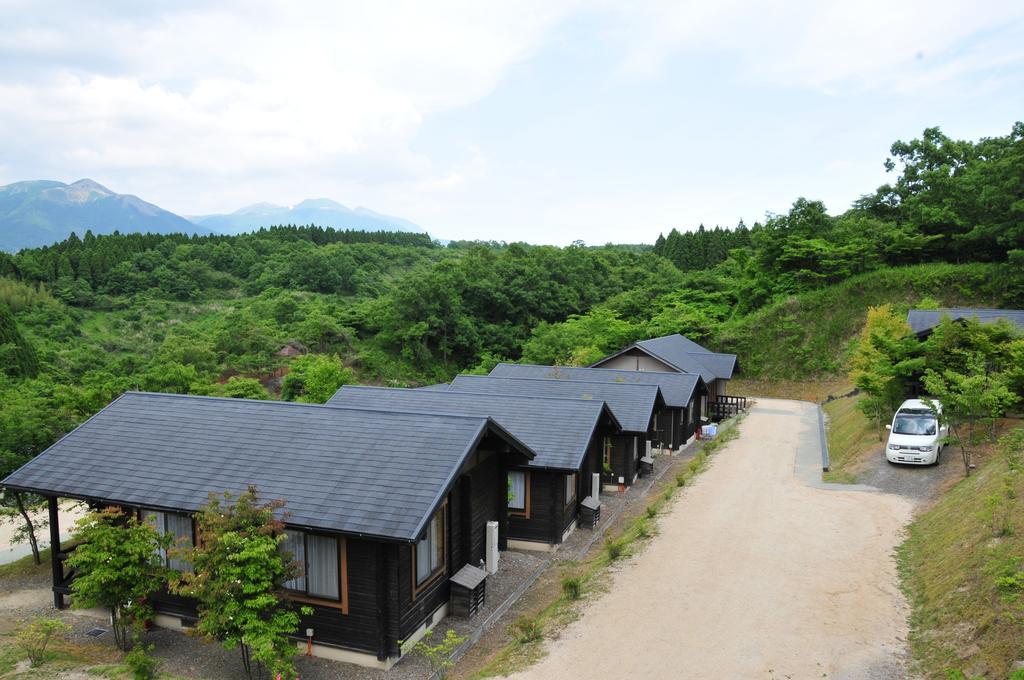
915	435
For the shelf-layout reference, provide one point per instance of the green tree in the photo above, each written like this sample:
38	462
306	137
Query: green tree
17	356
883	361
969	398
238	578
314	378
117	566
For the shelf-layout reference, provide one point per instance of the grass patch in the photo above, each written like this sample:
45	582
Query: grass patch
812	333
851	437
805	390
578	580
26	567
965	580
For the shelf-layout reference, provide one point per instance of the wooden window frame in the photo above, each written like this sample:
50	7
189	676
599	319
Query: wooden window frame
163	530
443	567
574	479
524	512
606	454
303	596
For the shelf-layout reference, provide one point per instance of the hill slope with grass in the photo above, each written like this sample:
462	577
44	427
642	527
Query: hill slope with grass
811	334
963	571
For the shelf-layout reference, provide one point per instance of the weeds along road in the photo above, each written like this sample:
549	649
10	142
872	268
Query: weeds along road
754	574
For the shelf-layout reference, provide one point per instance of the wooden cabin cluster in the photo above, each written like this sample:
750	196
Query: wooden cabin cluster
397	500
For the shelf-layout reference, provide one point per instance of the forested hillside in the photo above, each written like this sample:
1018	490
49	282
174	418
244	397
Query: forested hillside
294	312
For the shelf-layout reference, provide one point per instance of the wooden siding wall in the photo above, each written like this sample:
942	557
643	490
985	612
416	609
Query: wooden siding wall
474	502
478	497
622	456
546	492
359	628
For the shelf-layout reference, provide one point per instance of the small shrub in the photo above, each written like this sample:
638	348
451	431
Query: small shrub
141	663
526	630
572	586
34	636
681	479
695	464
668	493
642	530
439	656
613	549
651	511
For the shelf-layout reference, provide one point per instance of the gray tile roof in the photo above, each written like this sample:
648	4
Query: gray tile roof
676	388
688	356
632	404
684	355
557	430
922	320
355	471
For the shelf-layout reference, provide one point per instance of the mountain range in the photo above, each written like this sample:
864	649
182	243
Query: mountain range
41	212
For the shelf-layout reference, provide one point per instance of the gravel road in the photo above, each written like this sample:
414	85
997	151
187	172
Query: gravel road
755	574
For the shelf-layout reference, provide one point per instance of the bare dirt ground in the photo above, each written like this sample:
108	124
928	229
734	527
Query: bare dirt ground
755	574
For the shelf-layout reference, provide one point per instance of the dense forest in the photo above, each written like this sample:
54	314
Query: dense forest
293	312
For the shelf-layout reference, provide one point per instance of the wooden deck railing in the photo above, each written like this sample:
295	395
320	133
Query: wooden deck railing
725	406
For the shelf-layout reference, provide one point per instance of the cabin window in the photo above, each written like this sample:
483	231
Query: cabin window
519	493
570	488
179	526
294	543
429	552
607	456
322	562
322	566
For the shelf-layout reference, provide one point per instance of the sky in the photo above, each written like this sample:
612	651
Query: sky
546	121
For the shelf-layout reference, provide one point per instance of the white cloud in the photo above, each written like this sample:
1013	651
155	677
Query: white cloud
340	89
202	108
870	44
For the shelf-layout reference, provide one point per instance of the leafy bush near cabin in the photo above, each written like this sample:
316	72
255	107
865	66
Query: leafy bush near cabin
34	636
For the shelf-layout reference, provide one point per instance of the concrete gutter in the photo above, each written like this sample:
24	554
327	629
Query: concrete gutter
824	439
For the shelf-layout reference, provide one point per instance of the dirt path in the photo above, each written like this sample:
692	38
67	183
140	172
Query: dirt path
755	574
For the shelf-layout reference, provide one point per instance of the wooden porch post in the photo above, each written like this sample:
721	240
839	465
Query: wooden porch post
55	553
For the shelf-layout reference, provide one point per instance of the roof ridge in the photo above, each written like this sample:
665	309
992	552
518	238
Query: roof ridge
278	402
574	382
675	374
413	390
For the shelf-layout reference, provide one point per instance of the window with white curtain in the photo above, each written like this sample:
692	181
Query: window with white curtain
294	543
179	526
517	490
430	549
319	561
570	488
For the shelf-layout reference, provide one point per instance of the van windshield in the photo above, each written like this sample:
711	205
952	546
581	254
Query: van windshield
914	424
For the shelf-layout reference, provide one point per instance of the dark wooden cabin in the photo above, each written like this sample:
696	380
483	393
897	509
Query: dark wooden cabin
565	434
677	354
383	507
683	394
633	405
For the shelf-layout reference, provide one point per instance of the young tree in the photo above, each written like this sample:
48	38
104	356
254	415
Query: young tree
885	358
314	378
968	399
238	578
117	566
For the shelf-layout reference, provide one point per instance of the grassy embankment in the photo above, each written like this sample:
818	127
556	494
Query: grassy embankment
809	336
851	438
590	577
962	567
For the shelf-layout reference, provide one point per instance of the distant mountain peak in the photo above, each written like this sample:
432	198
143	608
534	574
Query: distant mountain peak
323	212
41	212
320	204
87	190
